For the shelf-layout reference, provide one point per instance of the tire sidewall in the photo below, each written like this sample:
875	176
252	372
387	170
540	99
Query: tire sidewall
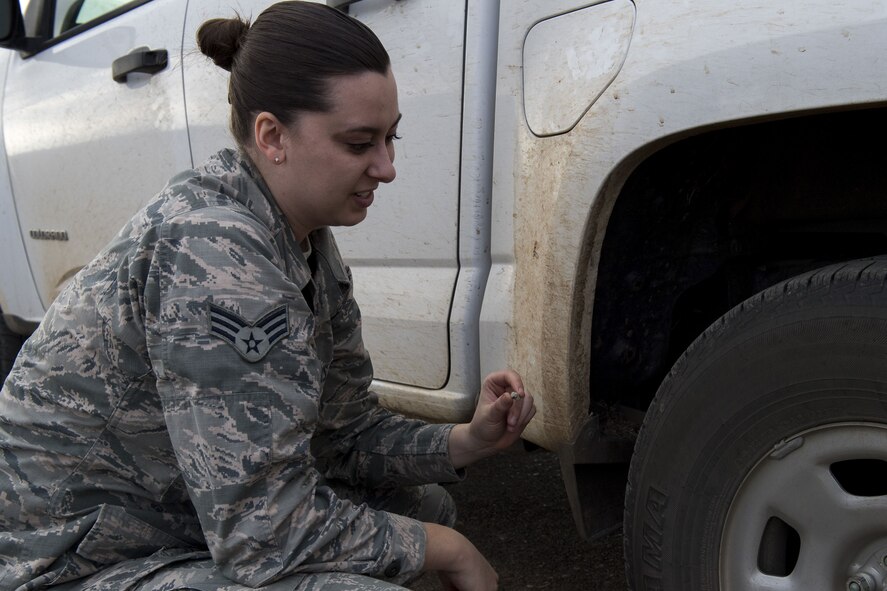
766	372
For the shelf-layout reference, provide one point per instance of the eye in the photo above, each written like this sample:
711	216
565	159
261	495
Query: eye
360	148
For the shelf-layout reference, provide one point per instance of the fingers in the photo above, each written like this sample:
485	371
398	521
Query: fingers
504	380
527	412
504	410
520	408
510	400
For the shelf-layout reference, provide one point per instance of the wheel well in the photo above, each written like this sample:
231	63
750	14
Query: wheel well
706	222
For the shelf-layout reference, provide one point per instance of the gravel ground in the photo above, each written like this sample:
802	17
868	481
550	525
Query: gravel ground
514	509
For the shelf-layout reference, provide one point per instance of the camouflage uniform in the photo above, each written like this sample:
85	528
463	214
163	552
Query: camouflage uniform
194	412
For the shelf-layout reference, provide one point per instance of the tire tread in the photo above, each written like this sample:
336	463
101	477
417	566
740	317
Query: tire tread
866	277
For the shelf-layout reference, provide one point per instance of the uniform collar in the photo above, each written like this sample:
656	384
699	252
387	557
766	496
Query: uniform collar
242	182
249	189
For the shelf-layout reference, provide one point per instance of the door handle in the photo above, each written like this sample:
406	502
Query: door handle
140	59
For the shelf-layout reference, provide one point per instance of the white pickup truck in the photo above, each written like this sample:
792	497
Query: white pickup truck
665	215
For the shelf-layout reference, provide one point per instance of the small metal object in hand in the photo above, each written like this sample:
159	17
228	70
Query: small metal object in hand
515	395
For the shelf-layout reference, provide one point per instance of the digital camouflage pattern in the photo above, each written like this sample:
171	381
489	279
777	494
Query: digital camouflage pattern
197	401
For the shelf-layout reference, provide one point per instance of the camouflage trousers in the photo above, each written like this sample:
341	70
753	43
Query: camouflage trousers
196	571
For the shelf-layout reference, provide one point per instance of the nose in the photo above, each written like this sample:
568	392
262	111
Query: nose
382	165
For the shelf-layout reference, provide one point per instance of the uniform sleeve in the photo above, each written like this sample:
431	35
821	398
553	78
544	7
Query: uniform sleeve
240	394
357	440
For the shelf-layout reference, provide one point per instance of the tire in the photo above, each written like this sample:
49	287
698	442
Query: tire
10	343
762	461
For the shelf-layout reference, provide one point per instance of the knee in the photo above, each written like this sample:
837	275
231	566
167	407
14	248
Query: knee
438	506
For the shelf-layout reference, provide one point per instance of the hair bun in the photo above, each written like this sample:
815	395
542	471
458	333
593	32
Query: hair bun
221	38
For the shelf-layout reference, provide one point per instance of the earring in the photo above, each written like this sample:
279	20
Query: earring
277	160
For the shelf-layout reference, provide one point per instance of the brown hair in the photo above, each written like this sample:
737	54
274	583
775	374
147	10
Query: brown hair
282	63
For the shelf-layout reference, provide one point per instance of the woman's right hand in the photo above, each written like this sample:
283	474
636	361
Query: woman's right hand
460	566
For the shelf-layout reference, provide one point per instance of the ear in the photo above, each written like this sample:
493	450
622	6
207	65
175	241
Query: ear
269	133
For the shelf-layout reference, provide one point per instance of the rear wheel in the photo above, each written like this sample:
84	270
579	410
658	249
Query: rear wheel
762	462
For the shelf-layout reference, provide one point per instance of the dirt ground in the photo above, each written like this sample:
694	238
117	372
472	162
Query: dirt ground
514	509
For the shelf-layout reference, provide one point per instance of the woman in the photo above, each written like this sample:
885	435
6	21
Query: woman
194	411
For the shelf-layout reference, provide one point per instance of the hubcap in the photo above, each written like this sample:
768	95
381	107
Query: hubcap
811	514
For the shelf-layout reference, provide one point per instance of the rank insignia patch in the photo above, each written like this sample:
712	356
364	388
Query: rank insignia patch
252	341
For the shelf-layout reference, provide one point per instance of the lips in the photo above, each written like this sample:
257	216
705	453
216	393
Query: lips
364	198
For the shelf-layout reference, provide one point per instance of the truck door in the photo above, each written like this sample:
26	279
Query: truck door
85	150
404	256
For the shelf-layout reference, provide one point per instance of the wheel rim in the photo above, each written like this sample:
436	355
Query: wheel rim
811	514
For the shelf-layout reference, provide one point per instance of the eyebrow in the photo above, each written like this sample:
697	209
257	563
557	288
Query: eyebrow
370	129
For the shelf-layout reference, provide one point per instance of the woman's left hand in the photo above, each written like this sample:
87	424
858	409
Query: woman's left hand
499	419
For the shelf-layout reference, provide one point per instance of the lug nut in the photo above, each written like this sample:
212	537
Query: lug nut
858	584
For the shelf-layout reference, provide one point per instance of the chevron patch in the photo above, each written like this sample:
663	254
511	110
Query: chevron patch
252	341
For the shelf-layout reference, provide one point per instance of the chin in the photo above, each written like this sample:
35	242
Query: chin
355	219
